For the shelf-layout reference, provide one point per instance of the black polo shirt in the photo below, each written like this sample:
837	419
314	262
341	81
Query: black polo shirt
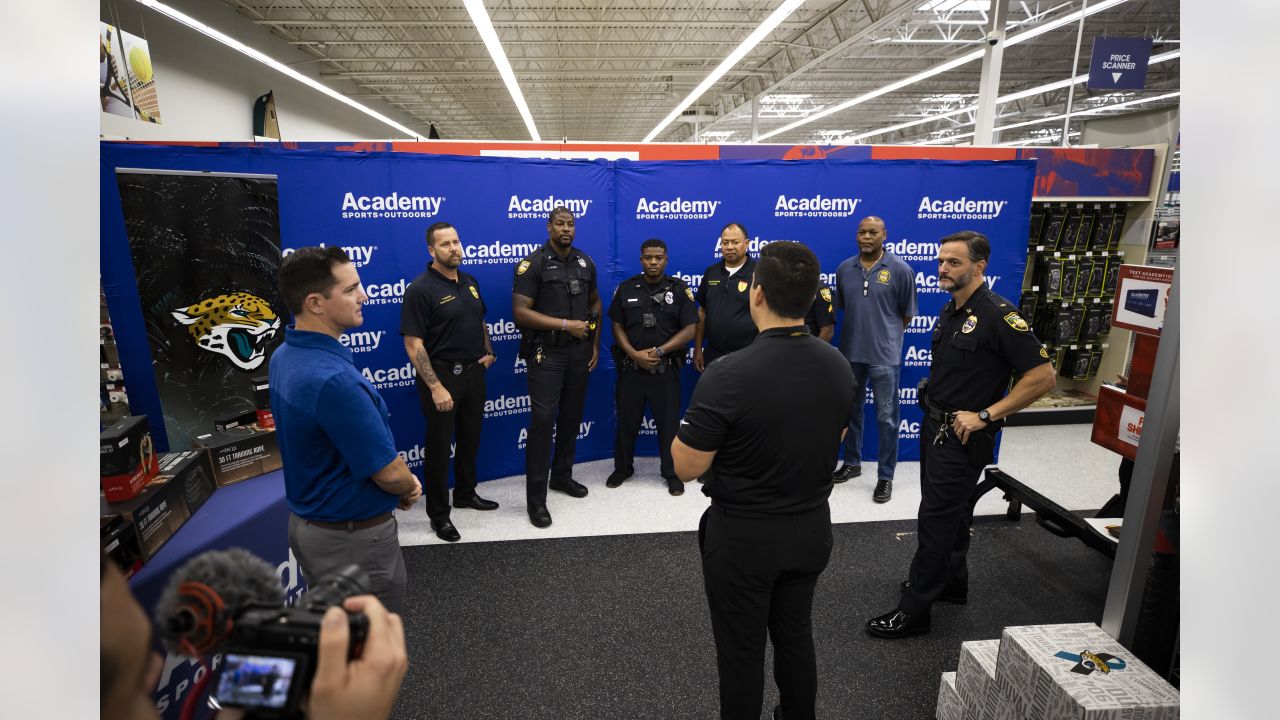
669	301
977	349
821	313
548	280
725	299
773	412
447	315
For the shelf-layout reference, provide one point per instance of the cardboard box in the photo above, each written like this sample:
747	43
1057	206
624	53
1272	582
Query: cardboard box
155	514
192	471
975	676
1078	672
126	458
119	541
236	419
241	453
949	707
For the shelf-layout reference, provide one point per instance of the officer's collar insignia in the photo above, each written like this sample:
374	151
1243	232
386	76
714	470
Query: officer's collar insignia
1016	322
969	324
474	293
742	286
826	294
524	265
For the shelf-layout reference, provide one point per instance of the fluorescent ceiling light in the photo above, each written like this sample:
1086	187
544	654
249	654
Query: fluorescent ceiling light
946	66
480	18
782	13
273	63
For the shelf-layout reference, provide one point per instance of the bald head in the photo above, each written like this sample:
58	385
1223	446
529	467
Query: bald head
871	235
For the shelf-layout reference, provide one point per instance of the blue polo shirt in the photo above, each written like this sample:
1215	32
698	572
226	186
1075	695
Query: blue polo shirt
333	427
872	329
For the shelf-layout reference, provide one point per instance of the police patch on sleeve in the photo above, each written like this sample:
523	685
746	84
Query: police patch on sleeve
1044	353
524	265
826	294
688	291
1016	322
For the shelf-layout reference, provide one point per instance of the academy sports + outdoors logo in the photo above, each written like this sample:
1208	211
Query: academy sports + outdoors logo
362	341
501	330
503	405
927	283
815	207
676	209
497	253
360	255
917	357
386	293
961	208
921	324
519	208
393	206
754	246
388	378
919	251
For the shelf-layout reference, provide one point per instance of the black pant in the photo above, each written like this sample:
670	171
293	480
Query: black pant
948	477
462	422
662	392
557	394
760	575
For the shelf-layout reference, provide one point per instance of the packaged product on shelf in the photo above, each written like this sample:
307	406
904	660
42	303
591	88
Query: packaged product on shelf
1070	230
1097	274
240	453
118	539
1113	274
1070	274
262	401
1065	328
1095	361
1093	320
126	458
1037	225
1052	283
1100	238
235	419
1088	218
1028	305
1053	228
1106	319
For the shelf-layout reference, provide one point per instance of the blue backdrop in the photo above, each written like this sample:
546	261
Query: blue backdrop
378	205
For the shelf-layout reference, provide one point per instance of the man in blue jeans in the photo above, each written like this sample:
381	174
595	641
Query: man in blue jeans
876	290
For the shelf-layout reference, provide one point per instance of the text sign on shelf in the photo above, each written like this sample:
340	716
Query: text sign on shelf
1130	430
1119	63
1142	294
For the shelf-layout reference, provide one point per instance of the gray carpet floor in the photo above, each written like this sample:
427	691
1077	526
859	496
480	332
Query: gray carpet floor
617	626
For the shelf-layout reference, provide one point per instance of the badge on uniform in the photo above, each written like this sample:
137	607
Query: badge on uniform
1044	353
883	277
689	291
524	265
582	262
826	294
474	293
969	324
1016	322
669	297
742	286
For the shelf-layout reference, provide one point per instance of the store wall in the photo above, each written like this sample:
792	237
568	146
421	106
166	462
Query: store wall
207	90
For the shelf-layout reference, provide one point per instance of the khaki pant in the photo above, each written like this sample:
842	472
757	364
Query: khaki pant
376	550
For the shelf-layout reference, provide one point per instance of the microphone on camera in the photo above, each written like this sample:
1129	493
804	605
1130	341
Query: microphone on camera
197	611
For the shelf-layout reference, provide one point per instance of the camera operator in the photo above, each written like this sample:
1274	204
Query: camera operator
365	687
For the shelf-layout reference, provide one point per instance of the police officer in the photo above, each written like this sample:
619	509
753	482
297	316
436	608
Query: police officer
821	318
772	438
979	342
654	317
724	321
557	307
447	341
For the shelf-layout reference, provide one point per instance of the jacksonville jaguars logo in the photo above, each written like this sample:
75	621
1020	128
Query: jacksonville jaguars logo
238	326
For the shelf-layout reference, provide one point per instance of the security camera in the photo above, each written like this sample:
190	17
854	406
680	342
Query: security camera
993	37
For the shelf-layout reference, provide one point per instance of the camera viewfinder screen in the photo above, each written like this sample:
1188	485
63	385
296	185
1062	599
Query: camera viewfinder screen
255	680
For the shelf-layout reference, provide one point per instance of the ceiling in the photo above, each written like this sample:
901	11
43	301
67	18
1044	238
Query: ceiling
611	70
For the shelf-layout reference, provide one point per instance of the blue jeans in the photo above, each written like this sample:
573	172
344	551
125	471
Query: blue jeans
884	391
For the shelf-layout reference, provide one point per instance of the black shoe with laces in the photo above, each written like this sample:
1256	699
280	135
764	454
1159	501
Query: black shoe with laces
884	491
845	473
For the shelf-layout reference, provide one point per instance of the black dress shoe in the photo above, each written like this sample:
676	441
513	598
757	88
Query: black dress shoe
475	502
445	530
897	624
845	473
948	596
675	486
616	478
540	516
884	491
570	487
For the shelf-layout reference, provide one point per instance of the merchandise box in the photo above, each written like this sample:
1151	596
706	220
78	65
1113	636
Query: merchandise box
1028	306
119	541
949	707
1070	230
1112	277
1065	327
1104	228
1095	362
975	677
1097	274
1053	229
236	419
1094	317
241	453
1037	225
154	515
1052	284
1077	672
262	401
193	472
1118	419
1088	219
1070	274
126	458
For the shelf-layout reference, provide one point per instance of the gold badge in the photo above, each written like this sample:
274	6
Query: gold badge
969	324
883	277
1044	353
826	294
474	293
1016	322
689	291
524	265
742	286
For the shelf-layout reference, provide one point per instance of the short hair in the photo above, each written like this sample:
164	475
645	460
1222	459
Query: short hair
788	273
653	242
978	245
308	270
738	225
431	232
558	210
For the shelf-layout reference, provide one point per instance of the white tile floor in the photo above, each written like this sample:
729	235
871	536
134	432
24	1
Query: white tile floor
1056	460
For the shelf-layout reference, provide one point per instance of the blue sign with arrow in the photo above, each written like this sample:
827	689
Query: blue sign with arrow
1119	63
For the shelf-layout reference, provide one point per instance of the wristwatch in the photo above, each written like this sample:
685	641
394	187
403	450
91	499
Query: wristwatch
984	416
659	352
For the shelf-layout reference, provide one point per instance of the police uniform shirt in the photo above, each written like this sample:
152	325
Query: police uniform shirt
976	349
549	280
669	301
447	315
724	298
773	413
821	312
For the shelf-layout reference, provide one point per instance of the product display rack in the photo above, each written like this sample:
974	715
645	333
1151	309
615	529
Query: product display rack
113	402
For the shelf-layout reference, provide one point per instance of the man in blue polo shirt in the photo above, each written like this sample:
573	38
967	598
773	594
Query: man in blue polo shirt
877	292
343	478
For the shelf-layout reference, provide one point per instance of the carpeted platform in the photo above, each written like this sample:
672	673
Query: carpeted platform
616	626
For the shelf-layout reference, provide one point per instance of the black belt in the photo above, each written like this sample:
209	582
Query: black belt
454	367
760	514
939	416
349	525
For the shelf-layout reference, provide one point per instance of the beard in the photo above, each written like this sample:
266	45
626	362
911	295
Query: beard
957	282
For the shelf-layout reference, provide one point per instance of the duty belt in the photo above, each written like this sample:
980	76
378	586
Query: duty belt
454	367
935	413
661	367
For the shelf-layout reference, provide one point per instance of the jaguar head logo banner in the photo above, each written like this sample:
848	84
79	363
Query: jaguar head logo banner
238	326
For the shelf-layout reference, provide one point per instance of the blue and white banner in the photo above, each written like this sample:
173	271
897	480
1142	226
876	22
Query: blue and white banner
378	205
